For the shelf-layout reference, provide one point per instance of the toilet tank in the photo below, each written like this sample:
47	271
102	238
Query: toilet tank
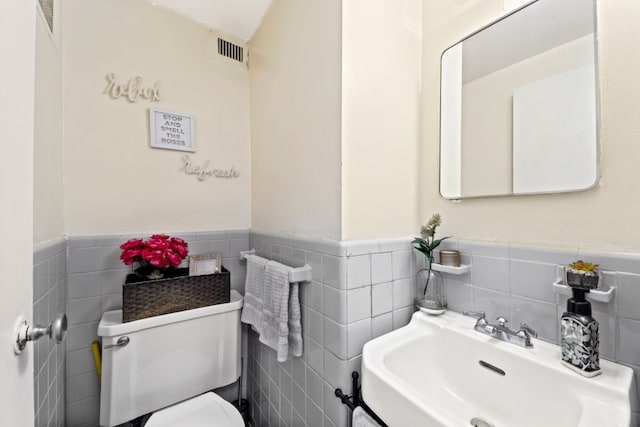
167	359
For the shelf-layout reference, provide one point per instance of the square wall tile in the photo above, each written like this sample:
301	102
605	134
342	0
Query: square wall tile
84	310
540	316
494	304
491	273
607	332
358	271
298	371
381	268
313	353
334	272
381	325
629	346
315	416
358	334
335	338
629	295
335	304
532	280
358	304
84	285
381	298
402	293
402	264
312	323
402	316
336	371
459	296
315	387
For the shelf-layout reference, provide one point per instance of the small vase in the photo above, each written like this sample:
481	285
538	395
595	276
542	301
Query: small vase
429	292
582	280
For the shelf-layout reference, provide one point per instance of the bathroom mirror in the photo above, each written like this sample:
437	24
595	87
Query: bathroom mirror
518	106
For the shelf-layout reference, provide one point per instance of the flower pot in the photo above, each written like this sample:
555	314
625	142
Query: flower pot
581	279
177	291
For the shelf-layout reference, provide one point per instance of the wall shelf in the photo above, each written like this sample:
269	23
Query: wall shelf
595	296
463	269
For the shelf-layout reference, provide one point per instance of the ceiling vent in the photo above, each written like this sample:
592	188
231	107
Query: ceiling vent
229	49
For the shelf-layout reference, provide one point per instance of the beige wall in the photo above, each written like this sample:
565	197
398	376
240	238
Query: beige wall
48	149
295	67
603	218
113	181
380	117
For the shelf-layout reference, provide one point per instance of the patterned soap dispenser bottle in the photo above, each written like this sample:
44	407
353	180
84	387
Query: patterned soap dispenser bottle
579	330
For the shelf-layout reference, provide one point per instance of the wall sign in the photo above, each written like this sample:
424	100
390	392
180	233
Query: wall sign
131	90
203	171
171	130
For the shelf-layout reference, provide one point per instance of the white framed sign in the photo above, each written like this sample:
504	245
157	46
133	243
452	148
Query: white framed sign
171	130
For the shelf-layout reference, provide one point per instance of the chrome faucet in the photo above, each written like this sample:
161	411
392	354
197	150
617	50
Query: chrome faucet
501	331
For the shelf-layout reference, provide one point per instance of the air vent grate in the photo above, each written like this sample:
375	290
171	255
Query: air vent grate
230	50
47	10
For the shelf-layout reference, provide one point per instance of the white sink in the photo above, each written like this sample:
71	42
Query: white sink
429	374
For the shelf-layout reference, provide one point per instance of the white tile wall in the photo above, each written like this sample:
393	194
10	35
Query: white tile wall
349	311
368	291
49	276
360	290
94	285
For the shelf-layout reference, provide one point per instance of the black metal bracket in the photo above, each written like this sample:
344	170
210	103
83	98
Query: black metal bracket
355	399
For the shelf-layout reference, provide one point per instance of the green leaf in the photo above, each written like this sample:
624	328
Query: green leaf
425	251
436	243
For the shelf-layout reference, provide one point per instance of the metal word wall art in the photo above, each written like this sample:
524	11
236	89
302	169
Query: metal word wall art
203	171
131	90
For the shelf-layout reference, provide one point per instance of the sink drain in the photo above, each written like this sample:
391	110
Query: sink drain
479	422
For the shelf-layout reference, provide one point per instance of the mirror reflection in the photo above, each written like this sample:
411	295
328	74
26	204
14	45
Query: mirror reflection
519	106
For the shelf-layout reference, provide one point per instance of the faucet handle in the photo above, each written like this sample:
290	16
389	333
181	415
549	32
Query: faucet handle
475	314
527	329
502	321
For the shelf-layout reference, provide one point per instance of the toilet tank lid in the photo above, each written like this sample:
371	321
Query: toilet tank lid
111	322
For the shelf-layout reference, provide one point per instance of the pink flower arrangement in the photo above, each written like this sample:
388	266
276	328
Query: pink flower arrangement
159	250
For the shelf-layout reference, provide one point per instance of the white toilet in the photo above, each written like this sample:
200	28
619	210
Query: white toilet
167	365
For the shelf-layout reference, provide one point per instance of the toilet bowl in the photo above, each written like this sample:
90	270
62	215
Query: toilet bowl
206	410
167	366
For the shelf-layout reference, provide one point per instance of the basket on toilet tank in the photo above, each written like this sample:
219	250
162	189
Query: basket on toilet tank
148	298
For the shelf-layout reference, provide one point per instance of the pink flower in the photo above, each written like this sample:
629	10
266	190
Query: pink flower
132	244
159	250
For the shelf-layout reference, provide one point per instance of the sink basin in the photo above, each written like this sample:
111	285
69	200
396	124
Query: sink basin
439	371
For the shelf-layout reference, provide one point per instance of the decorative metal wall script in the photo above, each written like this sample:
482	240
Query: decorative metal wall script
171	130
131	90
203	171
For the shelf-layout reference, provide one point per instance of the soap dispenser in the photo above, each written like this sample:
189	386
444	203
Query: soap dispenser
580	339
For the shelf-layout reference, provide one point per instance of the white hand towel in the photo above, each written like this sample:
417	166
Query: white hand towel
362	419
275	310
254	292
295	326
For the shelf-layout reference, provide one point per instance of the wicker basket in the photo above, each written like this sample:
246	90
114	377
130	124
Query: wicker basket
142	299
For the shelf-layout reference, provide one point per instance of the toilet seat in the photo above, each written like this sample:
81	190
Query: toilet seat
206	410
